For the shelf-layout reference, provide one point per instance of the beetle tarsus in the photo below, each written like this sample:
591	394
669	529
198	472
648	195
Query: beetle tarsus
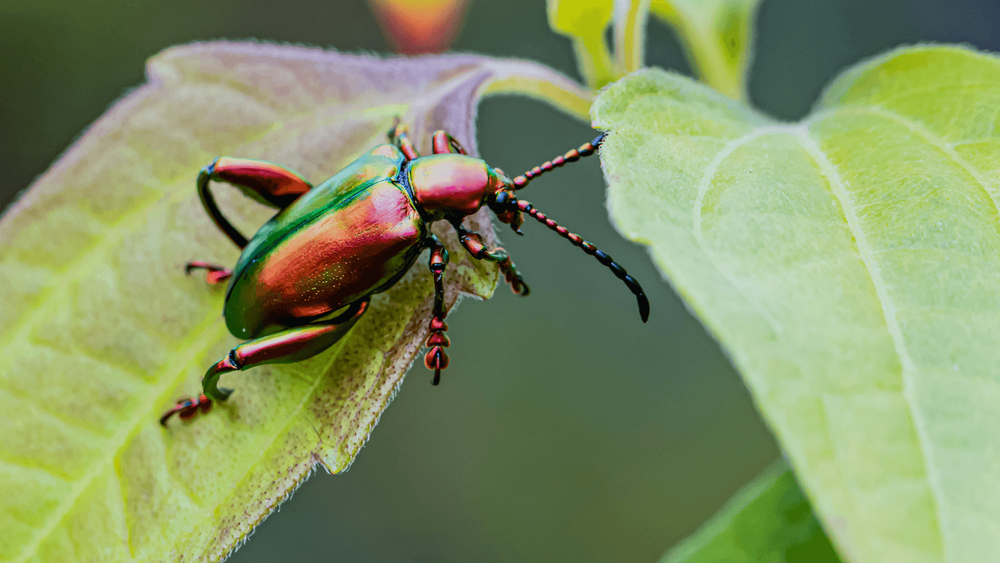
437	360
399	136
213	274
513	277
187	409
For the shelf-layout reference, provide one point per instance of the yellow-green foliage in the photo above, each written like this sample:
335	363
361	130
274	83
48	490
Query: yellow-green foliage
850	265
102	331
716	35
585	22
718	38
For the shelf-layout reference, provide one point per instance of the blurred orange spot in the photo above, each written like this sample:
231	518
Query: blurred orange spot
419	26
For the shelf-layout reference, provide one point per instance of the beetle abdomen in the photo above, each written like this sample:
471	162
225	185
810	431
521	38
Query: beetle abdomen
356	248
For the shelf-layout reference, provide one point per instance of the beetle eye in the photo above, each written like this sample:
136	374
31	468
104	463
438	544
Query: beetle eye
503	201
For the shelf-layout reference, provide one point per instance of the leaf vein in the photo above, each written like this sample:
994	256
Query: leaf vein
40	407
936	142
196	344
27	465
75	350
703	188
889	311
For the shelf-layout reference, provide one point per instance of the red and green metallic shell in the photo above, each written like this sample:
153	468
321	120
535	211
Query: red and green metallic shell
354	235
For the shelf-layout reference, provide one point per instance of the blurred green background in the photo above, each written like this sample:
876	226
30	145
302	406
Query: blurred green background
592	437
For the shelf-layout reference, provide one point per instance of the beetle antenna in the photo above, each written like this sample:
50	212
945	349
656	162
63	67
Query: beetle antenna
592	250
574	155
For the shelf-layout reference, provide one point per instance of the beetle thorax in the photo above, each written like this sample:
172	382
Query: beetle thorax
450	185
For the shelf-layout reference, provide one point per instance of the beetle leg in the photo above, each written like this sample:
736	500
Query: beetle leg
445	143
399	136
287	346
436	358
473	242
214	274
265	182
513	278
188	408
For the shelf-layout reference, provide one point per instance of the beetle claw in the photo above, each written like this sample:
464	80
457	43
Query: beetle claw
187	409
519	287
437	360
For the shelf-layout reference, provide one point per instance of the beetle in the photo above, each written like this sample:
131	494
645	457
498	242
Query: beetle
308	274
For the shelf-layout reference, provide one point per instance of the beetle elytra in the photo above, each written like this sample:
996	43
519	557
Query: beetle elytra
306	277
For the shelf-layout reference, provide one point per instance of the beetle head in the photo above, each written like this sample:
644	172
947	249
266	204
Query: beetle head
504	204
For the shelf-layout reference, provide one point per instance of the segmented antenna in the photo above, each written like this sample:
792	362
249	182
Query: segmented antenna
574	155
589	248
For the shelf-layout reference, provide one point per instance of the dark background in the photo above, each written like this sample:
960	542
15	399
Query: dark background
592	437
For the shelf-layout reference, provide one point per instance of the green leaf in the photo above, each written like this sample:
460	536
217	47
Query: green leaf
718	38
850	266
767	521
103	331
585	21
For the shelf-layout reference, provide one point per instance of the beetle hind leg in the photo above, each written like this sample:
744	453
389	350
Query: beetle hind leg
213	274
287	346
266	182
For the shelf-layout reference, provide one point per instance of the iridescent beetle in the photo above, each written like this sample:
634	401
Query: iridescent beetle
332	247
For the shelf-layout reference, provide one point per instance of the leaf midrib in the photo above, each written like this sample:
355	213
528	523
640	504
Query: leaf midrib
889	313
157	394
74	274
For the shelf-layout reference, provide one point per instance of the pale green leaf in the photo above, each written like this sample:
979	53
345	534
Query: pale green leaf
767	521
585	21
717	36
850	266
102	330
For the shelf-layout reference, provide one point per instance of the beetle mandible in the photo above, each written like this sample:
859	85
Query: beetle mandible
308	274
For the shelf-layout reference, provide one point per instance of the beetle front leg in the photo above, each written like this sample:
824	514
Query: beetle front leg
287	346
436	358
473	242
399	136
513	278
444	143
